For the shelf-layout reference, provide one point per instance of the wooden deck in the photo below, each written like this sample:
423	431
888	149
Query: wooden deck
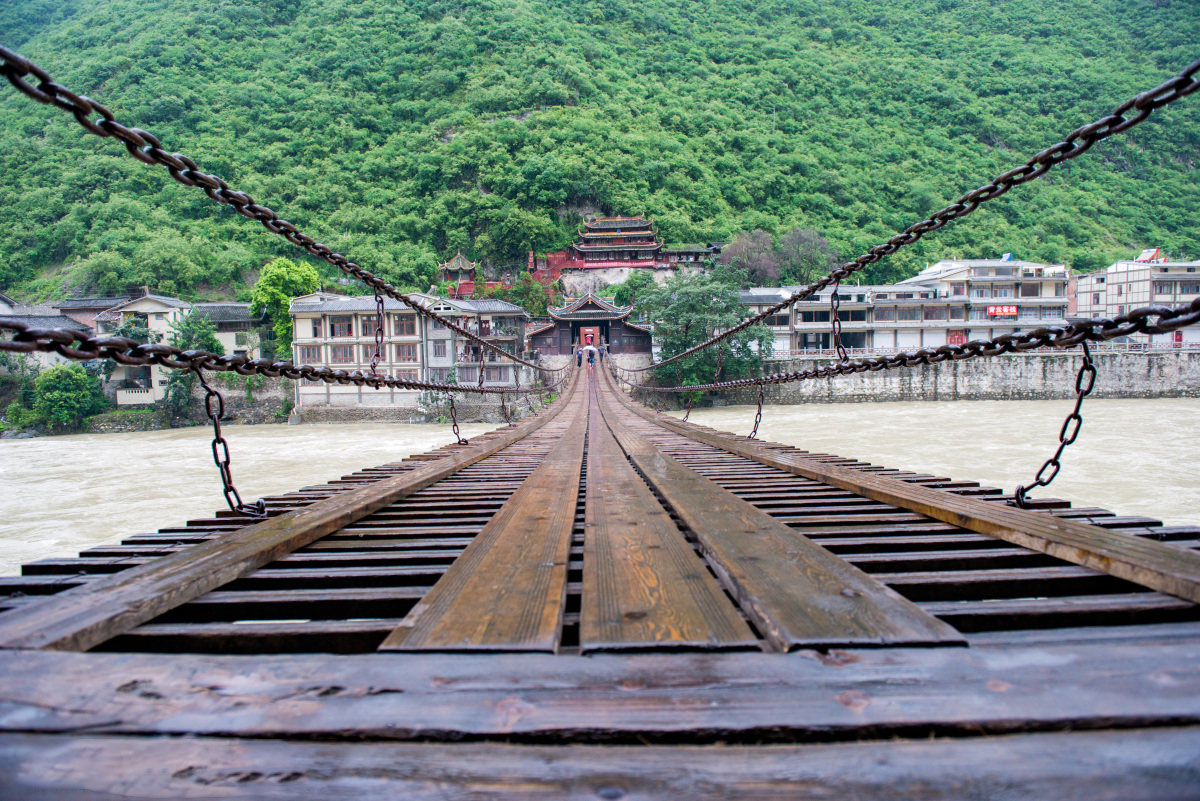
603	602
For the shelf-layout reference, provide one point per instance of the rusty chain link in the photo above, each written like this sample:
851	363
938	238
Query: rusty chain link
1066	434
1137	321
220	452
835	307
379	318
454	422
148	149
717	372
758	414
1075	144
688	413
504	410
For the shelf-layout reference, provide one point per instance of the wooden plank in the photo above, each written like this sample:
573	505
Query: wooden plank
85	616
795	592
507	590
1159	566
1087	766
710	696
644	586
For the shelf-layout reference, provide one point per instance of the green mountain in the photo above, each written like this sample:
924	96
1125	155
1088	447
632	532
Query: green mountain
402	132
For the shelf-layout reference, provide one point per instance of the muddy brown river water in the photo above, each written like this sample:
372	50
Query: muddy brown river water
59	495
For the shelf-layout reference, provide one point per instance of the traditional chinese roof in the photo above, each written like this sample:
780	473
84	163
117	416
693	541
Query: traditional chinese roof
619	246
590	307
614	234
611	223
645	327
539	329
686	248
228	312
459	263
42	317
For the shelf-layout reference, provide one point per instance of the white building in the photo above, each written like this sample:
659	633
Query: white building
338	331
1127	285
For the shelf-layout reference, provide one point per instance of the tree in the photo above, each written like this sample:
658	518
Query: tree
754	253
64	395
530	295
687	310
804	256
279	282
194	332
628	291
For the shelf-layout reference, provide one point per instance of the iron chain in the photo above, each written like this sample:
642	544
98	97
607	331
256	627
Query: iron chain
758	414
379	317
454	423
1085	381
220	452
835	306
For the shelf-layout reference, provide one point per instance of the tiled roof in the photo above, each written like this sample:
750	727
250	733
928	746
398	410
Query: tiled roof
607	223
539	329
488	305
38	317
590	314
685	249
229	312
90	303
348	304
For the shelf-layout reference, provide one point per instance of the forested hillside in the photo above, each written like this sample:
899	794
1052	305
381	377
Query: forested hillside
401	132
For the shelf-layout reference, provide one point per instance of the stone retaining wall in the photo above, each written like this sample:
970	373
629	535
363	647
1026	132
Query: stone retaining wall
1023	376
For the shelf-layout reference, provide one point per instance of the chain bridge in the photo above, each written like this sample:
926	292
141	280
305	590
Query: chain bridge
600	600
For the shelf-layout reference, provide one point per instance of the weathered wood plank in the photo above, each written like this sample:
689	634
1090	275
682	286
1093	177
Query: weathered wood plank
1091	766
507	590
643	584
1159	566
794	591
709	696
82	617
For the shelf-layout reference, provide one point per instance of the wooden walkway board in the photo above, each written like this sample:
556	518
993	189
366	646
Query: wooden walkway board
794	591
1158	565
507	590
643	585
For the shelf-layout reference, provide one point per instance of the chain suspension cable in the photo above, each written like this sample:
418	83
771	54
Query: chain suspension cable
757	414
688	413
220	452
1075	144
1137	321
1085	381
504	410
148	149
454	422
379	316
717	372
78	346
835	306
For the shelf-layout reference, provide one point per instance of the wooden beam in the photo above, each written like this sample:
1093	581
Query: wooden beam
794	591
85	616
1066	766
707	696
507	590
644	586
1157	565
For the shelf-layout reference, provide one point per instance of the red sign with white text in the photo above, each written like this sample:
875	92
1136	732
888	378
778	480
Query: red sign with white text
1002	311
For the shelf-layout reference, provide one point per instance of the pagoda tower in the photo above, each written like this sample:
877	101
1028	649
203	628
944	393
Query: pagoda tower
617	242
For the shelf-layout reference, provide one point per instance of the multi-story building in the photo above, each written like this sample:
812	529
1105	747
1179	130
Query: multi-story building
1127	285
339	331
144	384
950	302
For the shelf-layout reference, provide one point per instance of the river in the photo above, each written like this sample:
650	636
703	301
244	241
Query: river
59	495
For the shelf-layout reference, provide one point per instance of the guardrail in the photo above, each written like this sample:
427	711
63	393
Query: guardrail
1120	347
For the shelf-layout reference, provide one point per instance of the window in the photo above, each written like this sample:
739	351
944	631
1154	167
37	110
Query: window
904	296
406	325
978	314
777	319
1120	291
1060	290
885	315
494	374
909	313
979	292
1002	292
316	329
310	354
439	348
1031	289
368	353
958	313
1096	298
341	326
814	317
438	325
369	324
935	312
1053	313
438	375
1028	313
406	352
958	289
408	375
341	354
1162	287
1189	287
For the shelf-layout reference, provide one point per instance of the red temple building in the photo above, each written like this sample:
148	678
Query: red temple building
461	272
617	242
607	323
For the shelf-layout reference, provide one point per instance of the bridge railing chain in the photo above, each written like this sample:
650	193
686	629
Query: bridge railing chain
220	452
148	149
1073	145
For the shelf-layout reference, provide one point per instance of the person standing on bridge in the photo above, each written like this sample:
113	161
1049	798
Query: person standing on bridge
579	358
